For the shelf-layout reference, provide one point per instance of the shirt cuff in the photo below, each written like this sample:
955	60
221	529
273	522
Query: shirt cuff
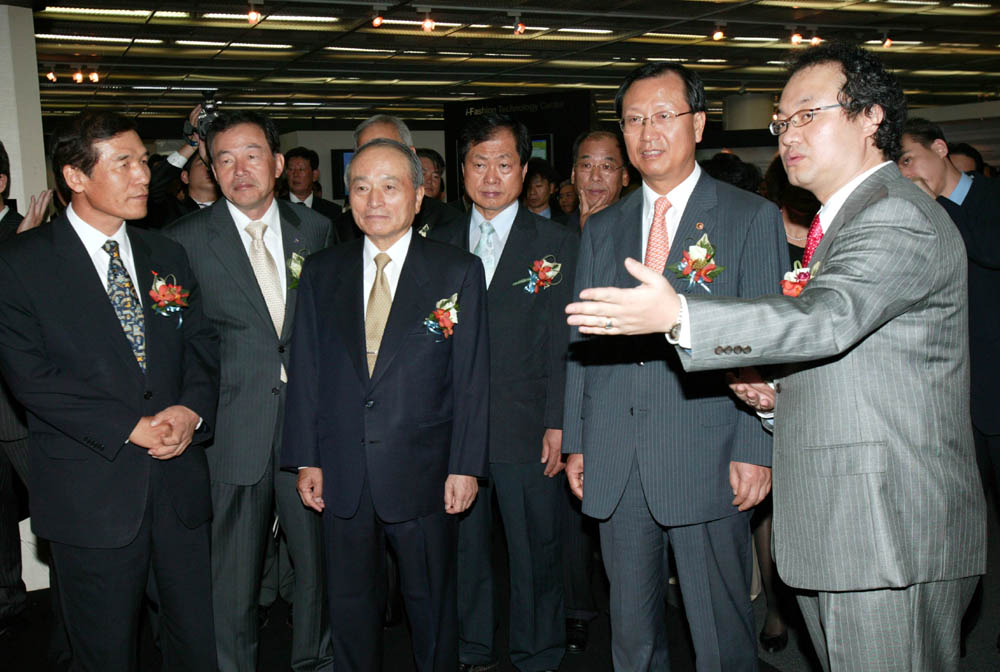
684	337
177	160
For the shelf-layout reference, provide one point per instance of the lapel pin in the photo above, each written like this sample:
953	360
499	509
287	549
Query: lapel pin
700	225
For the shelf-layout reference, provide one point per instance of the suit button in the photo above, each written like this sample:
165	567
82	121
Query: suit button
728	349
275	391
746	349
777	387
147	395
718	349
370	403
737	349
281	349
642	363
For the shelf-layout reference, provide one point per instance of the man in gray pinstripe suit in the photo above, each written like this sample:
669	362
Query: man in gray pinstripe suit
671	460
879	518
247	484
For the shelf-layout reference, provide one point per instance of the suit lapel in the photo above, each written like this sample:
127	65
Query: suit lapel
348	311
291	242
228	247
409	306
89	297
628	236
702	201
869	191
514	261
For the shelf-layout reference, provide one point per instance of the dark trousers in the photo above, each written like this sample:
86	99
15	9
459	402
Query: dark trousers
531	509
12	592
579	542
988	459
355	560
713	569
101	591
241	529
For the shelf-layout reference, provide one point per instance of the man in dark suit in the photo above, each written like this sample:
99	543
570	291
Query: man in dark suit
972	201
527	376
247	250
387	411
665	452
301	171
119	395
433	213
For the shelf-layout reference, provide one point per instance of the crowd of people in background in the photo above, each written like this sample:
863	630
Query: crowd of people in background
355	465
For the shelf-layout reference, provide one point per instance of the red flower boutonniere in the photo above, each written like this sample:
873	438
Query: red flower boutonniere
796	279
168	297
698	265
444	317
544	273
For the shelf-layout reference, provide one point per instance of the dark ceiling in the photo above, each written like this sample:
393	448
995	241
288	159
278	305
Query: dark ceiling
319	60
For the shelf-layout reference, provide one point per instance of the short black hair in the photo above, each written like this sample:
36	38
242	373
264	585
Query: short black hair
73	142
227	120
867	84
541	168
303	153
587	135
923	131
731	169
483	127
4	170
432	156
965	149
693	85
799	204
190	162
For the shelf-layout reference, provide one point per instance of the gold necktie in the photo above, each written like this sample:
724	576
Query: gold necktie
266	272
379	304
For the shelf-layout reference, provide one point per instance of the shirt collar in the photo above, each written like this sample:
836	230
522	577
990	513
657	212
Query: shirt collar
397	253
678	196
957	195
92	238
502	222
308	200
270	217
836	202
3	213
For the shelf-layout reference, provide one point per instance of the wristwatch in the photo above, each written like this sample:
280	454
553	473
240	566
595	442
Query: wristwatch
674	335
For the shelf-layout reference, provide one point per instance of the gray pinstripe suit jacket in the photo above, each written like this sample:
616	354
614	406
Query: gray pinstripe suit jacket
628	399
875	481
250	392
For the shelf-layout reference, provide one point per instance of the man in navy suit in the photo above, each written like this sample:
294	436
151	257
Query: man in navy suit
119	396
387	411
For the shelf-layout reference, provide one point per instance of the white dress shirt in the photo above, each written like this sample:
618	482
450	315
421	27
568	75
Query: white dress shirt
678	197
308	201
502	223
397	255
3	213
272	237
93	241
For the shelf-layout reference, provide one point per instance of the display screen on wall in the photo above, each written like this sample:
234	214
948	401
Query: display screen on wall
339	158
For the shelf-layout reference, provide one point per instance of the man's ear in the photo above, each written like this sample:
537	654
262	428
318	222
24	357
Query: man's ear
185	177
75	178
940	147
871	119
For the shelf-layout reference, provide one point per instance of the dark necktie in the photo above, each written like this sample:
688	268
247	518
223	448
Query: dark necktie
123	297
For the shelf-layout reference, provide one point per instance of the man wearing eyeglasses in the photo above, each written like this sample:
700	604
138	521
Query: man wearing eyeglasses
670	460
599	172
879	517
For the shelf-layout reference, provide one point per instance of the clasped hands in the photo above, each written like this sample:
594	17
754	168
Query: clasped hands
166	434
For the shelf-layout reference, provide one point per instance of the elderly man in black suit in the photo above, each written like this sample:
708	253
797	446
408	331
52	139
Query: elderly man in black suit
529	261
387	411
120	390
670	460
247	250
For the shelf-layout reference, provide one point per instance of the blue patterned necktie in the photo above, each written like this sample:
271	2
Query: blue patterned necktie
486	248
123	297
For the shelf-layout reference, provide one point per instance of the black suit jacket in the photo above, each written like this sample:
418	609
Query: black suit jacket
164	208
528	334
978	222
328	209
9	224
12	421
63	351
421	415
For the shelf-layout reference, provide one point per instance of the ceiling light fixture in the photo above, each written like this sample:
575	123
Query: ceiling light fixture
719	34
377	18
51	76
428	23
886	41
253	16
815	40
78	75
94	77
796	38
519	28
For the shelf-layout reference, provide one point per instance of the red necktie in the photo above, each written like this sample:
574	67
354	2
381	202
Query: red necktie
658	245
812	241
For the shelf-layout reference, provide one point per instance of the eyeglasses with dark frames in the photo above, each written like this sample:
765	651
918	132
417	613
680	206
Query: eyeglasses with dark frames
797	119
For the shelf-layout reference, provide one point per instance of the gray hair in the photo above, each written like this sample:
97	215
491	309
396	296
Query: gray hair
416	169
401	129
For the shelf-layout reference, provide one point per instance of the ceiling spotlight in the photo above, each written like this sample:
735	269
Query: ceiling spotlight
377	20
718	34
886	42
253	16
51	76
94	77
519	28
78	76
815	40
428	23
796	38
